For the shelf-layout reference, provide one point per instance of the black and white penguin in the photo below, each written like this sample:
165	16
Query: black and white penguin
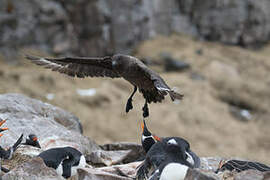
7	154
147	139
168	150
241	165
32	140
65	160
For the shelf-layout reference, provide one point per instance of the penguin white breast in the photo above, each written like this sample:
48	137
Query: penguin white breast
59	169
81	164
174	171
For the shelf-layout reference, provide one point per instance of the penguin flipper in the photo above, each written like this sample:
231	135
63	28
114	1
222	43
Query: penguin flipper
155	175
141	172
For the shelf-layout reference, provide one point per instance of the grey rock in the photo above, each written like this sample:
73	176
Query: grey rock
108	158
39	24
22	106
26	115
117	172
137	152
210	163
172	64
127	170
34	169
266	176
243	115
197	76
244	22
87	174
193	174
112	26
249	175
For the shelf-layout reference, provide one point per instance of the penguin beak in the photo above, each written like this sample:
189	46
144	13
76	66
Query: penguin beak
38	145
2	122
220	164
156	138
142	126
3	129
35	139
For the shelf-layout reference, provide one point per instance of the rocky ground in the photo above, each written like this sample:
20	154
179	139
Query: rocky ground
225	111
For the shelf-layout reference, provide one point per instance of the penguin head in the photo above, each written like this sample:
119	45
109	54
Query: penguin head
180	148
145	130
2	121
3	129
173	146
119	63
147	139
32	140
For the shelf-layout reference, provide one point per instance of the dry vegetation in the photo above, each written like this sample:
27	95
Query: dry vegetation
220	76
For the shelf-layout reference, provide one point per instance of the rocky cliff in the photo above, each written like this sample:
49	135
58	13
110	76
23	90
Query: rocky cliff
100	27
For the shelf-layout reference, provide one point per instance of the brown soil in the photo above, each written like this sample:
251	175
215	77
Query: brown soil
224	75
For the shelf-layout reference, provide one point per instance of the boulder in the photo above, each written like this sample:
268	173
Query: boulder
34	169
249	175
116	153
193	174
172	64
53	126
117	172
39	24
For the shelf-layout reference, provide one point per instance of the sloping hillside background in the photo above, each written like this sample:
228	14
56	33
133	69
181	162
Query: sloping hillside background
223	82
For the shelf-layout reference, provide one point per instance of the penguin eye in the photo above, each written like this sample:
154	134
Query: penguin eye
114	63
172	141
